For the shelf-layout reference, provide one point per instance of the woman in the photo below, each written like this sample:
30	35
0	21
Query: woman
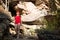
17	21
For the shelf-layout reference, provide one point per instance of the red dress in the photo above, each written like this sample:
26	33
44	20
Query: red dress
17	19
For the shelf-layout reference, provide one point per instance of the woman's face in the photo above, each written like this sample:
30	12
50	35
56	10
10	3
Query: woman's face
18	13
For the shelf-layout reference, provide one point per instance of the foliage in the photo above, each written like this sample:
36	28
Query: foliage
51	23
52	31
58	19
48	35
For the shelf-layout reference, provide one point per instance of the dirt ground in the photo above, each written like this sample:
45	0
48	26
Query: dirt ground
21	38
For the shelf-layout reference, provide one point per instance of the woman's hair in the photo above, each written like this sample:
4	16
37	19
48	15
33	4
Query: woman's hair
14	3
12	7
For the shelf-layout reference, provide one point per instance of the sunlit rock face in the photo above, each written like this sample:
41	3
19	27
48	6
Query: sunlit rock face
35	16
57	3
34	20
49	4
40	1
5	11
32	26
34	12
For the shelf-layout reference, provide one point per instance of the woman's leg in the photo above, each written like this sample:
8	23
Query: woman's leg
18	30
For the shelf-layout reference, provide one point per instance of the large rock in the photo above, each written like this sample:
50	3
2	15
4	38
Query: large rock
34	13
